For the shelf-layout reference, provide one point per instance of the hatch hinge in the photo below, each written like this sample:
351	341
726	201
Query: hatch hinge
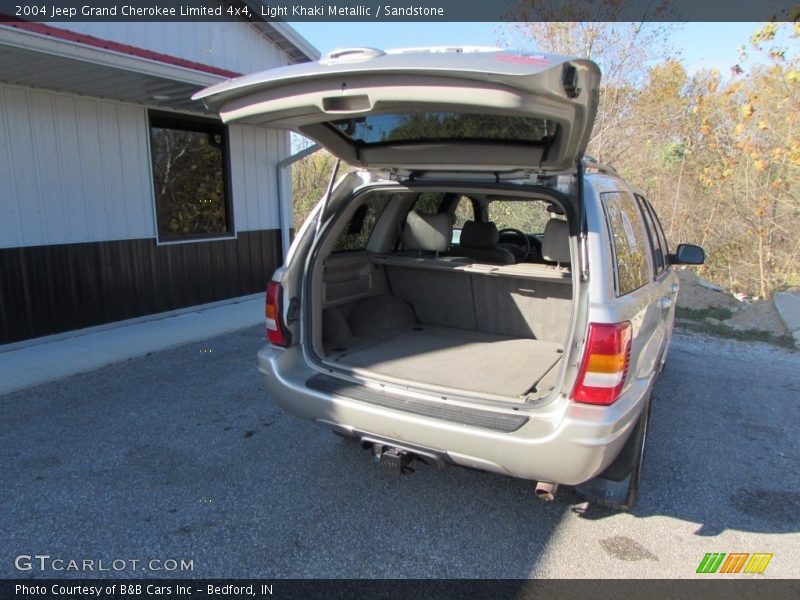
390	174
531	177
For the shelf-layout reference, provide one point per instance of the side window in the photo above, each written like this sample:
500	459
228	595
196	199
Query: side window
629	241
662	239
659	257
428	203
359	229
464	212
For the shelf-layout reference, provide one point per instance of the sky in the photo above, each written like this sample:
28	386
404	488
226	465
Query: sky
701	45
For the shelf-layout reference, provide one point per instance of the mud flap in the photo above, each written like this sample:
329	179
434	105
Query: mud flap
618	486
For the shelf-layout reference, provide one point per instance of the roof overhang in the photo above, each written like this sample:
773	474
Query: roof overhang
42	56
287	39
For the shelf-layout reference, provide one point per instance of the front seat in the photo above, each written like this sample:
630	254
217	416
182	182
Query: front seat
555	242
479	241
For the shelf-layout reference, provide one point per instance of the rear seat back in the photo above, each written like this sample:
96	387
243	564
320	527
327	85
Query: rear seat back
428	233
505	305
479	241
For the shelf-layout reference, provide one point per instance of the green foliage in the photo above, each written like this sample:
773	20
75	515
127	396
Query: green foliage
358	231
671	154
446	126
428	203
189	182
528	217
310	177
748	335
464	212
714	312
717	154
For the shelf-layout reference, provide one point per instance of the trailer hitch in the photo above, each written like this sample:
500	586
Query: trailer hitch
394	460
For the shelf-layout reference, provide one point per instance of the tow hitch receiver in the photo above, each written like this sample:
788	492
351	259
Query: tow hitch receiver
394	460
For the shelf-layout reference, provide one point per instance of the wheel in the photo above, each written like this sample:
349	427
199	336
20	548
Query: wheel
618	486
516	242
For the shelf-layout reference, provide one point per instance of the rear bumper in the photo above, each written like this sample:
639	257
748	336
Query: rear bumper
562	442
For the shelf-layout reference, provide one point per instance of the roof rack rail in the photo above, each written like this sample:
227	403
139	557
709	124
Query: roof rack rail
592	163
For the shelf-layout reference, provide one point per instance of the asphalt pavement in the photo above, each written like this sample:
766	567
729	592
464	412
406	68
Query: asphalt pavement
180	456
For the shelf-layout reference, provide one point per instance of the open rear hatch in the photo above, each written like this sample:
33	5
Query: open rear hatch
473	115
485	110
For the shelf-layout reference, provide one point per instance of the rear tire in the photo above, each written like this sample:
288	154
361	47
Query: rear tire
618	486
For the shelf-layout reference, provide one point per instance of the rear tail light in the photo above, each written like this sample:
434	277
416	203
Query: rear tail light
605	363
276	331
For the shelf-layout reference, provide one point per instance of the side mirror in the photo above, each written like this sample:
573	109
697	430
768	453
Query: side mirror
688	254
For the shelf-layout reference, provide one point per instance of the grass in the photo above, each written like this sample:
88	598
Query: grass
721	330
695	314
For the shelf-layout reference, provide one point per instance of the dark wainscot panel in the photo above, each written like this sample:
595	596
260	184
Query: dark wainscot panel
50	289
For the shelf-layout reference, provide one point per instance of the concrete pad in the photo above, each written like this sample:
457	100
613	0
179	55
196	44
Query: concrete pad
788	305
759	316
87	350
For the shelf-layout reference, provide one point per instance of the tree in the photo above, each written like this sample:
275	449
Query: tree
750	161
620	49
189	181
310	177
718	155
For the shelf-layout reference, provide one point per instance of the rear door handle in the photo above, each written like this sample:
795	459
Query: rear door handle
675	287
665	302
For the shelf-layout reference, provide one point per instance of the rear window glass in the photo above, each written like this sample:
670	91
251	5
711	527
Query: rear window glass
445	126
629	239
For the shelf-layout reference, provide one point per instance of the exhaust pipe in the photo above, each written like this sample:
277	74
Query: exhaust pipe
546	491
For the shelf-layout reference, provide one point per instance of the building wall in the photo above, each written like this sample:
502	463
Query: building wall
77	169
236	46
78	244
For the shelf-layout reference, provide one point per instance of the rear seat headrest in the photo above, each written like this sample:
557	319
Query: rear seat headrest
555	241
428	233
479	235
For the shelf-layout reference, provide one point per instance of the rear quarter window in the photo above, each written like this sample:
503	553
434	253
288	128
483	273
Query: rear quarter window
359	229
629	242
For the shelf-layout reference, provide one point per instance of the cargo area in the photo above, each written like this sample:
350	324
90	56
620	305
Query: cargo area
447	322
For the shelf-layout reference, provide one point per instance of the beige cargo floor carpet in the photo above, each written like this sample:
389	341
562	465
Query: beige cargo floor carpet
457	358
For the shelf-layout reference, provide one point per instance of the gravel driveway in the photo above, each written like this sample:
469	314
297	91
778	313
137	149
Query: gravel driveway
179	455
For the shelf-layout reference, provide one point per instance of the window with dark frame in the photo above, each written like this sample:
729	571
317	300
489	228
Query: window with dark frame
659	257
629	241
659	232
190	180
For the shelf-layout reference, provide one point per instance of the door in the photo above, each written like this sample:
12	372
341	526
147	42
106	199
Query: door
637	289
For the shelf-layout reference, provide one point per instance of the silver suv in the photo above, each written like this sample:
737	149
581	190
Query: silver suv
475	291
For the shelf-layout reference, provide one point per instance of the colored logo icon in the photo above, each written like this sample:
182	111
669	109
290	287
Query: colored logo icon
734	562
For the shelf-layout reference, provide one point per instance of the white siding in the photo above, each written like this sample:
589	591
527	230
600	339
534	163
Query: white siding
235	46
76	169
255	152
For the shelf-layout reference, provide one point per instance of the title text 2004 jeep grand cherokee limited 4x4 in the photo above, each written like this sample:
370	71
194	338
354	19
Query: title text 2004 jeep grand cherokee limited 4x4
476	292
